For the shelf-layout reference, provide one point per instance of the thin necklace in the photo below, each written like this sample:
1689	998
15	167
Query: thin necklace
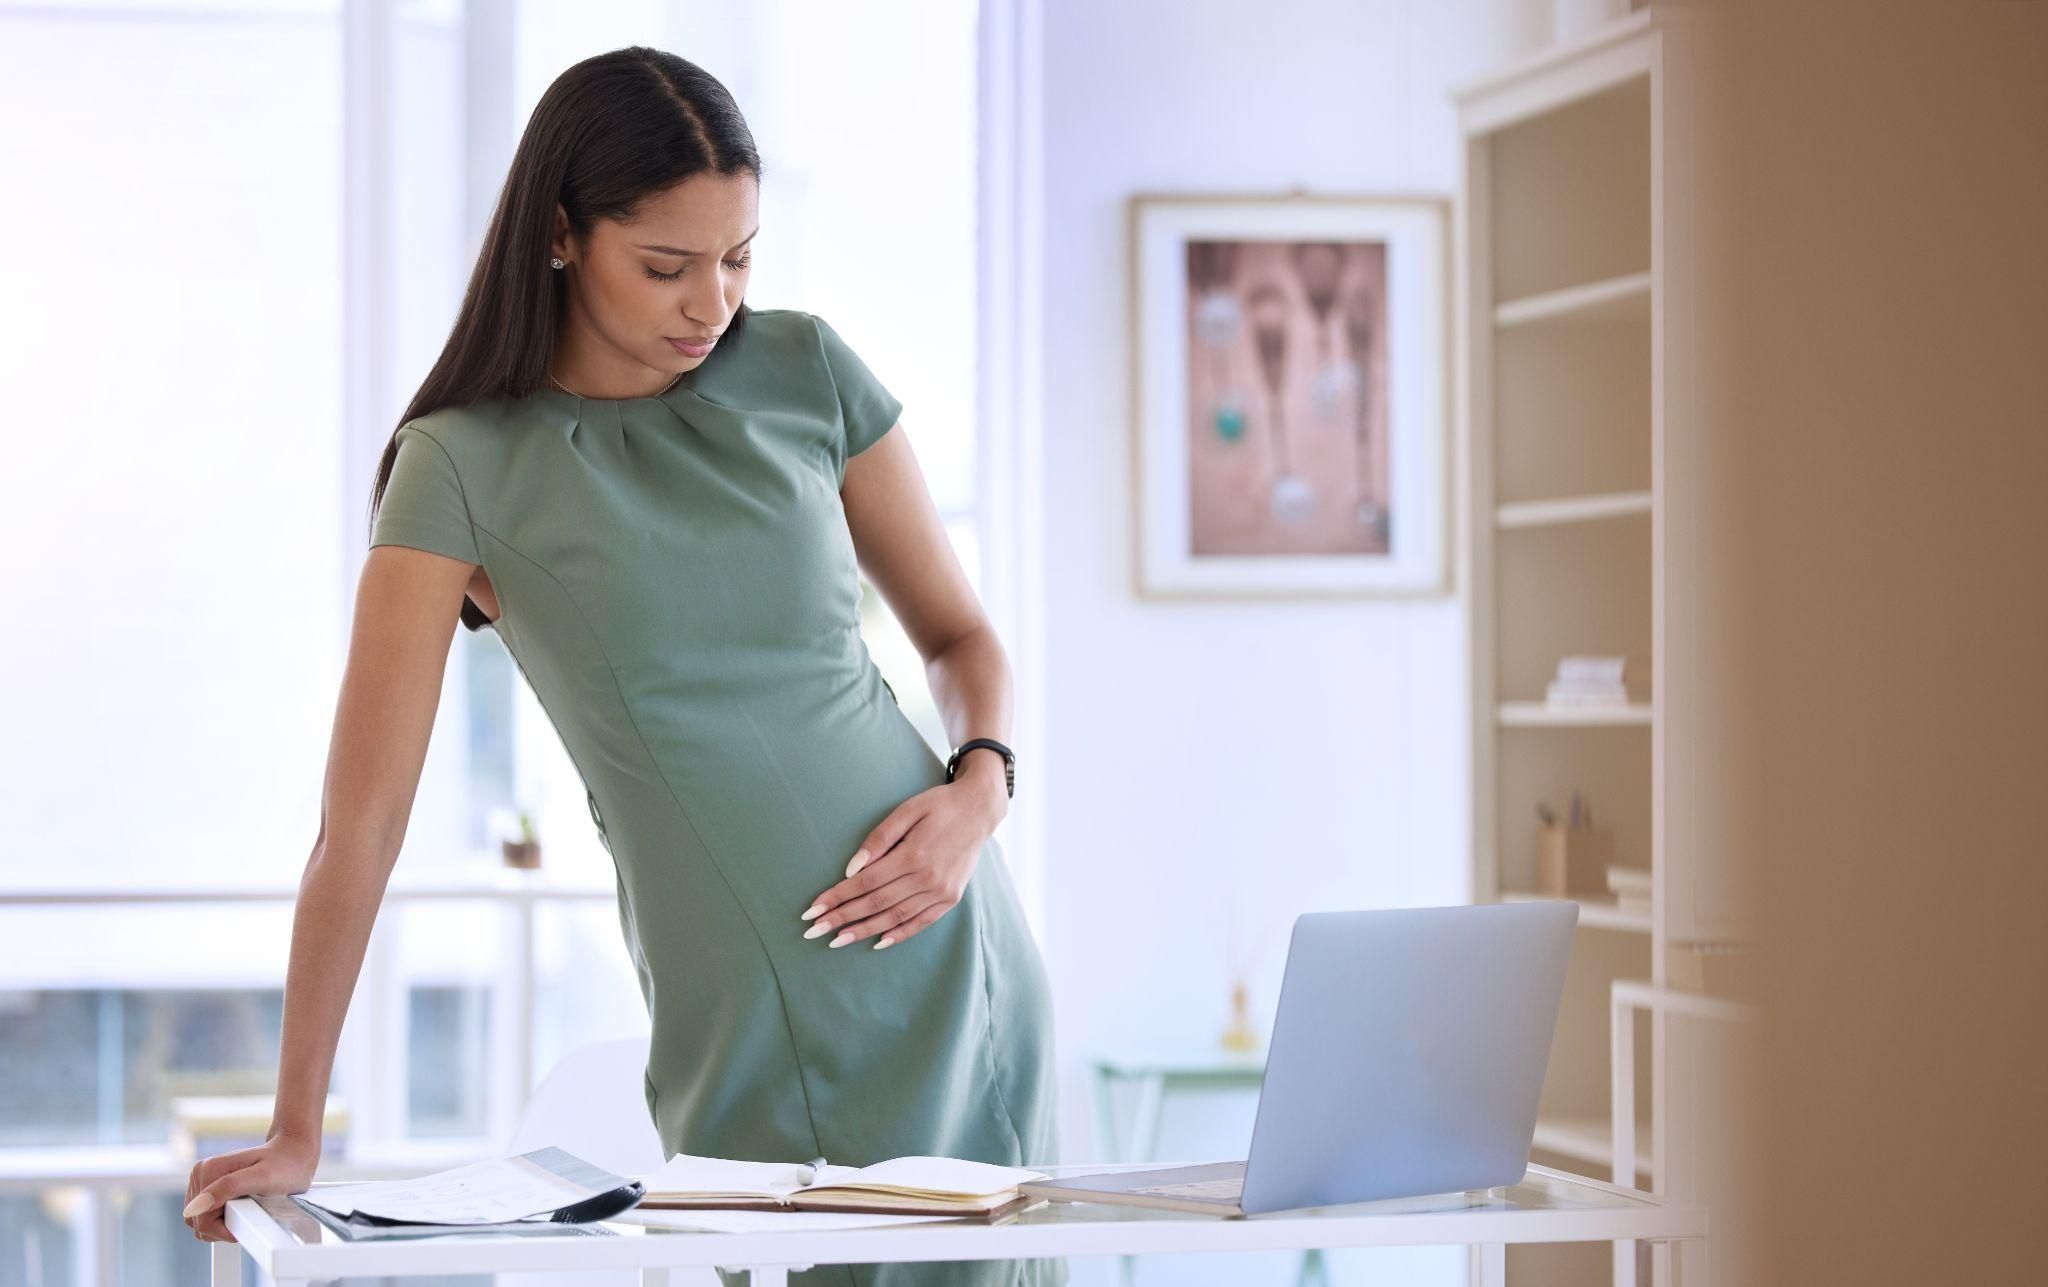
572	393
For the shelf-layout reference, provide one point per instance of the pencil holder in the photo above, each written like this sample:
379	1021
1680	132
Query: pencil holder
1572	860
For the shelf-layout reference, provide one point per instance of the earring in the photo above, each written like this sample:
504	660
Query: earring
556	262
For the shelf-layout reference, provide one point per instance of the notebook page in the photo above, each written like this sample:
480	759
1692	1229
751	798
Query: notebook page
688	1173
759	1221
938	1176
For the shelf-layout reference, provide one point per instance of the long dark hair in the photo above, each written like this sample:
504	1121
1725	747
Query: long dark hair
610	131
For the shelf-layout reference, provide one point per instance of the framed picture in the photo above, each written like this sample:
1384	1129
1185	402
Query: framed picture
1292	377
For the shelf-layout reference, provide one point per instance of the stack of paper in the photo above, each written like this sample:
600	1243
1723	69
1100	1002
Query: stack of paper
547	1183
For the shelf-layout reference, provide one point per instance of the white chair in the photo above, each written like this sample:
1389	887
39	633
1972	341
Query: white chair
594	1104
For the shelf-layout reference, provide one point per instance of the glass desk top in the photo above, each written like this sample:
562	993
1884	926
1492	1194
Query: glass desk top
1592	1205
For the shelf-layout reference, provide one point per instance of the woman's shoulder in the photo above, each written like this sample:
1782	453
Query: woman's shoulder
468	428
783	322
761	357
780	332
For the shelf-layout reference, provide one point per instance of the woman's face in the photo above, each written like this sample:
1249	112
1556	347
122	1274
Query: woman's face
642	297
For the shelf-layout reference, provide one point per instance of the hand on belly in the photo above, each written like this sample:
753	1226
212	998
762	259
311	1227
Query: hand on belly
914	866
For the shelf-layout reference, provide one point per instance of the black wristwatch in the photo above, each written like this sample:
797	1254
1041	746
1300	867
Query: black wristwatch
1009	761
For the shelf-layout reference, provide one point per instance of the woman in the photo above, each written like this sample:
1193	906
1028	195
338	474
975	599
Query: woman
656	496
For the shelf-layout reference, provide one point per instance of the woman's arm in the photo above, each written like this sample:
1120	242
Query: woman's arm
903	548
406	609
915	864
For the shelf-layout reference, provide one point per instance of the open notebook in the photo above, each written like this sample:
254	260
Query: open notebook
902	1185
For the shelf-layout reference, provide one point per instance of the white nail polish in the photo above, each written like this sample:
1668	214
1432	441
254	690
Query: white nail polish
815	909
883	942
817	929
860	860
844	937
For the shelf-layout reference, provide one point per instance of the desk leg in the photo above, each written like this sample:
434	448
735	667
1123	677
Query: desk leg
1108	1146
1489	1264
1143	1145
1313	1269
1622	1099
761	1275
227	1264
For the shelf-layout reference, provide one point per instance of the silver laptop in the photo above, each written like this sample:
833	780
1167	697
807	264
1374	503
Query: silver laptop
1407	1058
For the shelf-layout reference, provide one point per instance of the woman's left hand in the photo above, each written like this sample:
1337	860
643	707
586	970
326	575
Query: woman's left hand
928	846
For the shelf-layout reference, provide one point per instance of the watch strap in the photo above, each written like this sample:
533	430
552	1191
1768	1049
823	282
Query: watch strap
1009	761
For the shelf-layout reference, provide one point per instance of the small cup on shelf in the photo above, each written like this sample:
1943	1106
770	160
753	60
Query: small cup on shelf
1572	861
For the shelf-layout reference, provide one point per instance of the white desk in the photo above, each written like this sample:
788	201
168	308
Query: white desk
289	1247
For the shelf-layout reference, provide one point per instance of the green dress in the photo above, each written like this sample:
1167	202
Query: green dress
677	584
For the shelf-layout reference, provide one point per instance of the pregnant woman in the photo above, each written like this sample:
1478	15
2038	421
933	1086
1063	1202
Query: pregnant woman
662	500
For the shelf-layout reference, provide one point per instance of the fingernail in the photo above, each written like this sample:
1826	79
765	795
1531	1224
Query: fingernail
816	908
845	936
883	942
199	1203
860	860
817	929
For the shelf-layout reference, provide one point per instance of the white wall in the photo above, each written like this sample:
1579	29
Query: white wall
1212	769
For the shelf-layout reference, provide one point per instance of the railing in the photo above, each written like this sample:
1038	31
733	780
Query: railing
376	1145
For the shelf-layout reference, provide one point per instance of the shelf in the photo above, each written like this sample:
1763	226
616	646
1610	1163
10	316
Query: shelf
1571	509
482	882
153	1166
1591	1139
1538	715
1594	913
1567	57
1614	299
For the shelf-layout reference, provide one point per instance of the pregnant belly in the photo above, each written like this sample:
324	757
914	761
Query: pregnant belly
771	796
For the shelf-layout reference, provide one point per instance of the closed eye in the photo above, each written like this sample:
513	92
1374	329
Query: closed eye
736	265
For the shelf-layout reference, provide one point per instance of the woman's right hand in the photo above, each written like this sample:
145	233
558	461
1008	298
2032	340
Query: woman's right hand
280	1164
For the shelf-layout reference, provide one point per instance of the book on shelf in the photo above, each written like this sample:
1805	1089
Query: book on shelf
1582	682
1631	889
1628	880
913	1185
1593	670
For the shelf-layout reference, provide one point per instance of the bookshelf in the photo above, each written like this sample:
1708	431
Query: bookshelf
1537	715
1594	913
1576	410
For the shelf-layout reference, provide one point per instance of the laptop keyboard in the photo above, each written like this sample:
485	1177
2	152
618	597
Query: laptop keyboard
1224	1190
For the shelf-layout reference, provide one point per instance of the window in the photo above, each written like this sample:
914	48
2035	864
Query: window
207	426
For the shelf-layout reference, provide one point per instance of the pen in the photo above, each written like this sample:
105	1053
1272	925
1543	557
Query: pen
817	1165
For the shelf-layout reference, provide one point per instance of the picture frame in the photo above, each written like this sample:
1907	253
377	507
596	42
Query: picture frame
1292	394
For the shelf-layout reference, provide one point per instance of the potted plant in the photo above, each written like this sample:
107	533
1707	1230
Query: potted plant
523	849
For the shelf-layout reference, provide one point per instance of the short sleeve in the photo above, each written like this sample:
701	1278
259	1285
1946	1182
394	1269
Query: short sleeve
423	505
866	407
